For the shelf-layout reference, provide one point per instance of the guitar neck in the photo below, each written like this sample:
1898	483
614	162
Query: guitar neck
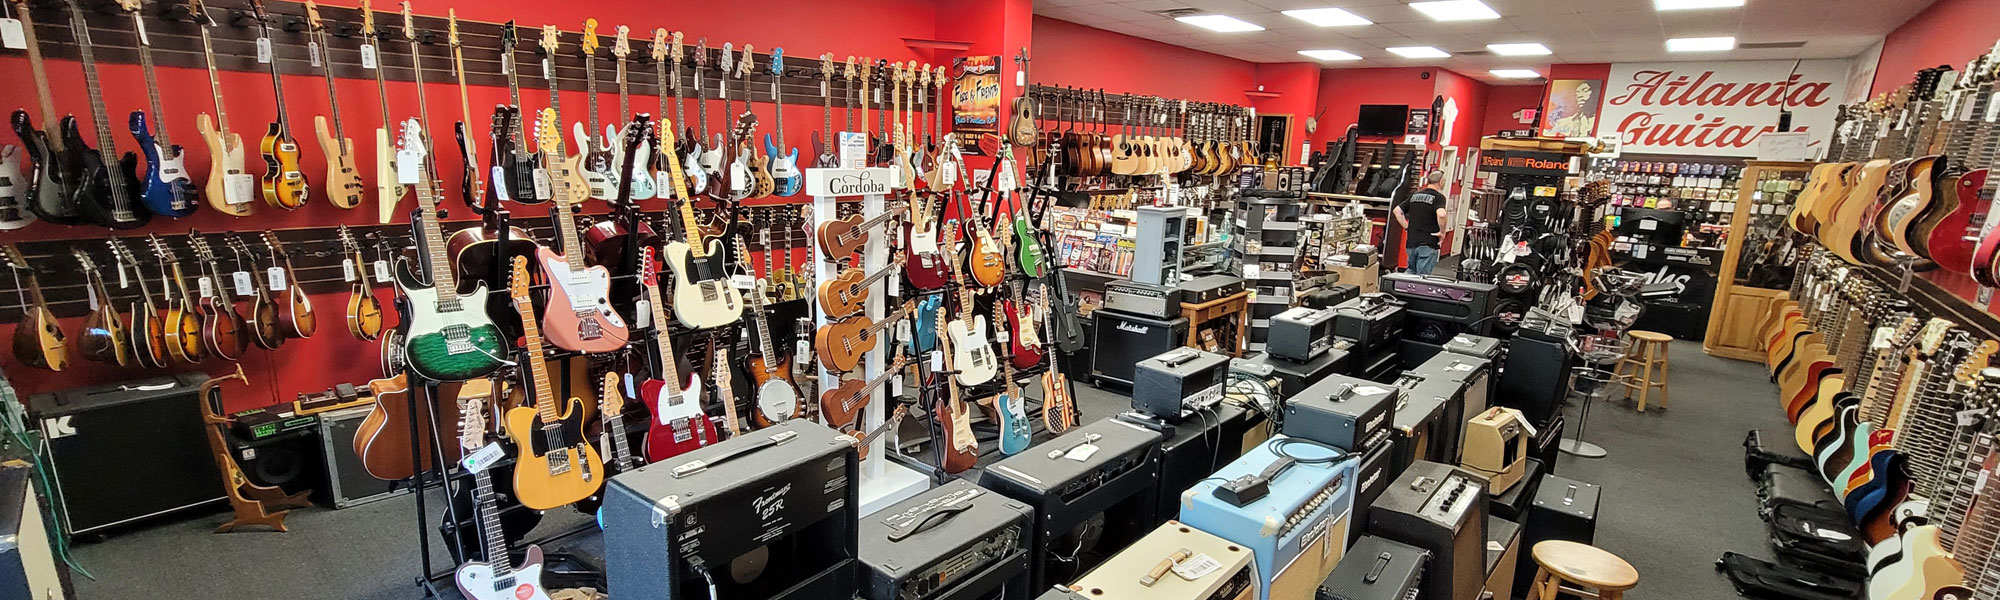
590	93
81	28
889	372
696	248
778	112
566	227
332	97
145	47
381	87
434	248
624	92
277	81
491	533
458	69
662	342
417	66
680	110
701	102
538	369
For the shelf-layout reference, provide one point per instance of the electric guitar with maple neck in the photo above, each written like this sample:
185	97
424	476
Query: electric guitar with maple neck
38	339
494	578
389	188
1028	252
657	165
284	184
1024	344
842	237
703	296
1058	407
697	179
166	189
295	310
700	153
554	462
565	172
1016	433
182	331
678	424
899	147
841	406
470	187
635	166
515	170
46	194
611	409
987	260
776	398
343	180
823	142
969	341
923	265
266	329
784	159
103	338
957	447
721	372
597	166
447	335
917	126
364	311
222	328
579	315
148	332
840	344
107	187
749	176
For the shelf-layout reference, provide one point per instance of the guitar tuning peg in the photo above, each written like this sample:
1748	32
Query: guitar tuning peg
345	30
176	12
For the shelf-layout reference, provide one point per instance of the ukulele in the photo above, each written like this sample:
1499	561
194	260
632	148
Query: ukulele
783	158
579	315
295	310
840	344
823	141
447	335
364	311
635	166
598	169
103	337
864	442
494	578
147	339
678	423
777	398
166	189
840	238
1020	120
841	406
554	463
38	340
847	293
343	179
265	329
470	188
389	188
222	328
106	186
183	321
47	192
284	184
957	447
703	297
974	356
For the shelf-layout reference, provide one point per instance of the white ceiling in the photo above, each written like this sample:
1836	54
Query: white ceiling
1578	31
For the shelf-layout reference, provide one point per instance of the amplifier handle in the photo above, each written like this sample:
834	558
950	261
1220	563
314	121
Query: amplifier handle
904	531
697	466
1381	563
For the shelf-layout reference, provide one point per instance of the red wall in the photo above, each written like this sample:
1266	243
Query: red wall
1070	54
1297	89
1343	91
1470	97
1949	32
1503	101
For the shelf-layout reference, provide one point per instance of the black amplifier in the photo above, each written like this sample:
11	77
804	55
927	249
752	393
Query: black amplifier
1377	569
1371	477
1535	379
1419	424
768	514
1343	412
1442	509
955	541
1476	346
1142	298
1196	447
1474	380
1464	302
1373	321
1209	288
1178	382
1329	296
1300	334
1120	340
1092	490
1295	377
105	441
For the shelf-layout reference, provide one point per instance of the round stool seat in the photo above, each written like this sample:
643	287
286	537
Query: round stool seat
1650	336
1586	564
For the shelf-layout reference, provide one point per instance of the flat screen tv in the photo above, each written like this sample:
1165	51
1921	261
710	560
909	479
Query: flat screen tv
1383	119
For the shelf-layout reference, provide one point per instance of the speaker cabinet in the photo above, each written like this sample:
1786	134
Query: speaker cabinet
348	483
29	569
1121	340
106	443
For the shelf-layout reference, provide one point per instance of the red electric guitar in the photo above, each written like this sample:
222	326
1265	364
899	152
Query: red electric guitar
678	424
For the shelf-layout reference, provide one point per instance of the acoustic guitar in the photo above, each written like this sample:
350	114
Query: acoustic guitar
223	330
841	344
183	321
1020	114
841	237
554	463
265	329
38	339
1841	232
295	309
847	293
364	311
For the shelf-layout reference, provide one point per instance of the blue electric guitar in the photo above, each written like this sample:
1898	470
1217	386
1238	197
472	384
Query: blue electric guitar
449	335
166	187
784	159
926	319
1016	431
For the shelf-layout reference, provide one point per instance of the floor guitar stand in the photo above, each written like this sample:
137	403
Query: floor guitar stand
253	504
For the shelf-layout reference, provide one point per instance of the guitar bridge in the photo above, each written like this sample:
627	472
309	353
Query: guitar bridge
588	329
458	340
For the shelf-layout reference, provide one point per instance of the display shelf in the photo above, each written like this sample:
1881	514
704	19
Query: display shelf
1741	300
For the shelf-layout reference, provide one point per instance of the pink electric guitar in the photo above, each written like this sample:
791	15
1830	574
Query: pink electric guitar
678	425
579	315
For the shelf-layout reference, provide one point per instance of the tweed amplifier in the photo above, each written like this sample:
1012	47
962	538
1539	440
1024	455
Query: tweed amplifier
957	540
1174	562
1291	501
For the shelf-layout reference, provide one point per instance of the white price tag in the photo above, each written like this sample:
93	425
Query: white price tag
743	282
407	167
347	268
543	189
482	458
1195	568
822	89
1007	183
895	386
122	281
368	56
853	150
312	52
948	172
1000	334
382	271
896	173
937	360
277	277
12	35
896	286
1979	484
903	330
244	285
207	287
499	176
803	348
263	51
239	188
645	317
1081	453
664	182
92	291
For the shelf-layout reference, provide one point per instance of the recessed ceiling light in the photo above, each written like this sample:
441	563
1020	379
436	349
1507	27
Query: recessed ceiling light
1455	10
1222	23
1514	73
1694	4
1328	17
1419	52
1527	49
1706	44
1330	54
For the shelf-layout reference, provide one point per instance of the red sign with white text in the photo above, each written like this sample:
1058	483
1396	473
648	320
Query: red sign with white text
1719	108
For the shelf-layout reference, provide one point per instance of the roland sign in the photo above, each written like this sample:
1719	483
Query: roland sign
1517	162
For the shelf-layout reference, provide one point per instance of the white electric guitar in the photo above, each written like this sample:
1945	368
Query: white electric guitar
703	296
970	351
493	578
633	167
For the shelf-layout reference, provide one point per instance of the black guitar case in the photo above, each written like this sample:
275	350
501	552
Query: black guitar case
1808	537
1789	486
1756	578
1757	455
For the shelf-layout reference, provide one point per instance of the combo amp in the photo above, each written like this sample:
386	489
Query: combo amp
1563	509
1092	490
1377	569
105	441
1371	477
29	567
348	482
1196	447
1300	334
1290	501
1174	562
1441	509
1294	377
1373	321
954	541
769	514
1536	375
1343	412
1132	297
1178	382
1120	340
1417	423
1464	381
1496	446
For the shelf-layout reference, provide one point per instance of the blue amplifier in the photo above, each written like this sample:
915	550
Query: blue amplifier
1291	501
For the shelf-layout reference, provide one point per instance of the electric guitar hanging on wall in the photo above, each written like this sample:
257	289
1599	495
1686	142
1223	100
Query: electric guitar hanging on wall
494	578
703	297
516	171
554	462
343	180
697	179
579	315
284	184
448	336
597	165
389	189
45	193
678	423
635	165
470	187
107	187
166	189
784	158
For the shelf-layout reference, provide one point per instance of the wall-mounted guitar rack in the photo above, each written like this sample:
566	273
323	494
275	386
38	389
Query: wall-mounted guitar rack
1110	103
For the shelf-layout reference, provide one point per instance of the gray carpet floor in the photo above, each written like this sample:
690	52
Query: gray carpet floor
1675	499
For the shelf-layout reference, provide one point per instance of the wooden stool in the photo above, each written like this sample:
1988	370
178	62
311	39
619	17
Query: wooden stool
1648	360
1605	576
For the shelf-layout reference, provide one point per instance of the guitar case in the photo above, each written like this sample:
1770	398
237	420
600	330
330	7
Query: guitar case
1791	486
1809	537
1757	455
1757	578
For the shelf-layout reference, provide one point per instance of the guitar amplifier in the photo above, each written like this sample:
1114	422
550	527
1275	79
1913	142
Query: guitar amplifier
1563	509
769	514
1092	490
1473	379
1462	302
29	567
1209	288
1496	446
1373	321
1418	423
1536	375
104	441
1300	334
1152	569
1293	513
1146	299
1476	346
1377	569
1294	377
1120	340
348	482
1195	448
1178	382
1343	412
957	540
1371	477
1441	509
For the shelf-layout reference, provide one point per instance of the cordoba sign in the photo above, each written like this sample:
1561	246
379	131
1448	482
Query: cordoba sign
1719	109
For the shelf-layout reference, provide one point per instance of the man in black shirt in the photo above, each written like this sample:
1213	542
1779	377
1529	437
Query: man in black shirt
1422	217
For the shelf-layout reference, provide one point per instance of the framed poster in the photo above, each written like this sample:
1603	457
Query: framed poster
1571	109
1420	122
975	97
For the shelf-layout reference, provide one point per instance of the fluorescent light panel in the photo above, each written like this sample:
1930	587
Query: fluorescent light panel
1455	10
1330	54
1328	17
1419	52
1694	4
1707	44
1222	23
1514	73
1525	49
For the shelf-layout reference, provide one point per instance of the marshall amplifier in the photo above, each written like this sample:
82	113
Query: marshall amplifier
1179	382
1343	412
956	541
105	441
1092	490
1300	334
1174	562
1373	321
768	514
1441	509
1291	501
1142	298
1209	288
1120	340
1377	569
1463	302
1371	477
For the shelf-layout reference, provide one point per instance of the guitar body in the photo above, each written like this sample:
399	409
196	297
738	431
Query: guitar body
1941	195
98	184
678	425
1058	407
388	191
1817	420
364	313
449	343
841	405
761	183
1813	382
1021	354
784	168
579	315
39	342
702	302
284	184
295	312
971	351
1028	248
1016	434
922	265
1832	454
148	338
166	189
266	329
1890	489
1838	180
104	338
223	331
1946	242
1842	231
1901	210
183	334
957	454
843	295
598	163
554	464
44	193
840	344
926	325
1925	571
15	191
343	181
775	397
988	265
842	237
640	171
383	440
477	581
1858	458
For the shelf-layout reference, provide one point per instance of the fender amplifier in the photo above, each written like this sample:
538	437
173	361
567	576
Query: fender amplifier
1373	321
1300	334
1291	501
1462	302
1174	562
1442	509
957	540
1179	381
1120	340
1377	569
768	514
1343	412
1092	490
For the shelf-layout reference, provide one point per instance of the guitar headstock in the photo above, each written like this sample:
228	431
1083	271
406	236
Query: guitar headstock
676	51
132	6
200	244
160	247
409	23
471	423
867	73
1982	355
720	365
850	74
347	243
123	254
660	46
649	271
236	245
941	80
700	54
746	126
83	260
367	16
611	401
510	37
257	11
743	66
551	39
271	241
1932	335
924	77
621	46
451	27
589	44
826	68
727	62
410	145
548	132
312	15
517	285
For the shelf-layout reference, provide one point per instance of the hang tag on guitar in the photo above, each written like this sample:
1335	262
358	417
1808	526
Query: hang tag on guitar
896	286
645	316
948	172
895	386
482	458
240	188
543	189
937	360
663	184
499	177
803	348
207	287
1000	335
12	35
92	291
277	277
382	271
263	51
368	56
1006	183
312	52
743	282
347	270
122	281
407	167
244	285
